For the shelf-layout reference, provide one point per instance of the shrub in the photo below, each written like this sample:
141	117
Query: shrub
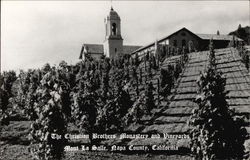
84	107
110	117
216	133
51	120
137	110
166	80
6	82
150	102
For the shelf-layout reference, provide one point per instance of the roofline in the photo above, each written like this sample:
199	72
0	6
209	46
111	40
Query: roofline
178	31
219	35
132	45
165	38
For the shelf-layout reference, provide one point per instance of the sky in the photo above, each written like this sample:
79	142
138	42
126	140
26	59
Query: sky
37	32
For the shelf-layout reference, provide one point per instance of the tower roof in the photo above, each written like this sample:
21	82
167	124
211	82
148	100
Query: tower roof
113	14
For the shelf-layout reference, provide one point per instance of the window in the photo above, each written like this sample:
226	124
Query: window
167	42
113	29
183	43
175	43
115	50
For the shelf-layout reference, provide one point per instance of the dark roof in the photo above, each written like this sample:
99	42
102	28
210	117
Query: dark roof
113	14
127	49
185	29
98	48
94	48
218	37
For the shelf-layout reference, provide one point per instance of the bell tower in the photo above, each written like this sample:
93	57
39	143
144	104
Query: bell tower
113	43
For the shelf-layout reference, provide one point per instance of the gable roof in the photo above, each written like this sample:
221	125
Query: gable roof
182	29
98	49
94	48
218	37
165	38
198	36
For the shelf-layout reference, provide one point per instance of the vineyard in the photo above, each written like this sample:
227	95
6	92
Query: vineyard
151	94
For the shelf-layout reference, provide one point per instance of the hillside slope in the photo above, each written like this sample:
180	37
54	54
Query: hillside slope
172	118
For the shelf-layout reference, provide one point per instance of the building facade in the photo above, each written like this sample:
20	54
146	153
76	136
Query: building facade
113	43
112	46
184	38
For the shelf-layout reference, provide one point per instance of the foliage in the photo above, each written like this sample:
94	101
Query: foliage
117	103
246	60
85	102
31	98
110	117
149	97
244	54
98	96
166	80
85	110
137	110
51	119
243	33
6	83
143	105
212	54
216	133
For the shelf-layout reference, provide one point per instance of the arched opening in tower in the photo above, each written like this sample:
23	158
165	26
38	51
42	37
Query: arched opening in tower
113	29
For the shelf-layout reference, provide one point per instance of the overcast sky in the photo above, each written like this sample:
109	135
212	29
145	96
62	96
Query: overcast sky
36	32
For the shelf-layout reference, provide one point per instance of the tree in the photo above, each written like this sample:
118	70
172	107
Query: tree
184	54
105	85
63	87
6	83
46	68
212	53
163	53
31	97
149	103
246	61
22	88
166	80
239	27
137	110
135	80
140	75
111	117
217	133
137	61
177	69
51	120
85	104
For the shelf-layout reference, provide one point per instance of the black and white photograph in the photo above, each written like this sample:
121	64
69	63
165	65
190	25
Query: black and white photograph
123	79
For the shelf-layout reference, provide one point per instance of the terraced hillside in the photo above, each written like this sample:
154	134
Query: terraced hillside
172	117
